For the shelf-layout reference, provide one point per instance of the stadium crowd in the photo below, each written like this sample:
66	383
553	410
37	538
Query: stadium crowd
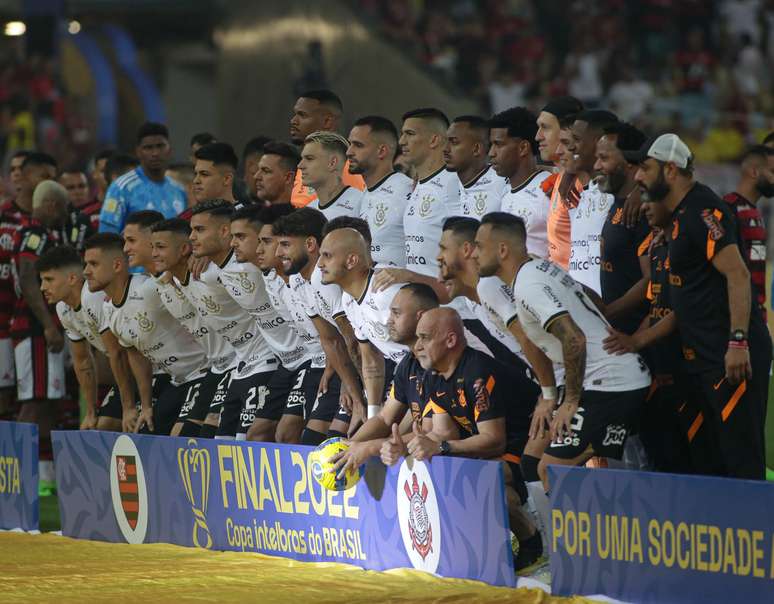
551	288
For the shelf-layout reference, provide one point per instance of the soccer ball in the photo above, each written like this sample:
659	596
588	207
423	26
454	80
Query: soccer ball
321	466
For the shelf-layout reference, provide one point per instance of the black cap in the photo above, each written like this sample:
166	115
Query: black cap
637	156
563	106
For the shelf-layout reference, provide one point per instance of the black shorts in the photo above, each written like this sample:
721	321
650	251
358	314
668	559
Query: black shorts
253	393
731	420
221	394
603	420
167	400
287	395
198	396
111	405
324	407
518	478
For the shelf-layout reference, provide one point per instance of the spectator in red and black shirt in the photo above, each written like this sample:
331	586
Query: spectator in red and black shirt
77	185
756	181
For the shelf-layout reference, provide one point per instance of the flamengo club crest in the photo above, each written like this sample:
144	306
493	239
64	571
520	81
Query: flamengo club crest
128	491
420	522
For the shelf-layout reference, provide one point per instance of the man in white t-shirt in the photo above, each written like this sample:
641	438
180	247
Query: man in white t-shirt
373	142
297	238
603	392
80	312
345	261
165	360
321	166
171	252
467	154
435	198
512	153
588	218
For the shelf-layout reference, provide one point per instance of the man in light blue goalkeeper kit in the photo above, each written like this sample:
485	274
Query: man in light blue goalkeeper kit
146	187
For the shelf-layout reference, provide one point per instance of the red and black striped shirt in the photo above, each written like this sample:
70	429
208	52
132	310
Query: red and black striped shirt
752	243
12	218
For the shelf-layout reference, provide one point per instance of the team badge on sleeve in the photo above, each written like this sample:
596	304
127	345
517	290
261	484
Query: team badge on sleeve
712	222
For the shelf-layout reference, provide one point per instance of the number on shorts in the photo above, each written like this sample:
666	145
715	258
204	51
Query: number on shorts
262	392
300	380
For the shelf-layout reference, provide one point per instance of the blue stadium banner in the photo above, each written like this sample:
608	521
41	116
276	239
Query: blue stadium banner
446	517
657	538
19	476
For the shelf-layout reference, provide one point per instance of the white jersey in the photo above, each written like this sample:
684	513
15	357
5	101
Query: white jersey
433	200
487	289
245	284
542	293
346	203
139	319
85	321
221	354
586	222
324	298
529	202
483	194
299	298
368	316
229	320
382	207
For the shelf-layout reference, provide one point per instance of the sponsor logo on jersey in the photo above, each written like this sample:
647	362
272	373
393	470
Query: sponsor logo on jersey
420	524
194	467
128	490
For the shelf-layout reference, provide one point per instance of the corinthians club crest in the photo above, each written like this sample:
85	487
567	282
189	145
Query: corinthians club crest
381	214
425	206
143	322
420	523
245	283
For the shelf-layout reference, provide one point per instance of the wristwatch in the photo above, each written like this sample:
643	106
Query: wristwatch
444	448
738	335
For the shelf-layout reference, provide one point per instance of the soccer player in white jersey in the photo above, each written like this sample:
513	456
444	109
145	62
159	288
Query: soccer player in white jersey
302	359
373	142
435	198
196	410
345	260
210	239
297	238
588	218
512	152
321	166
171	252
164	358
603	392
466	153
80	312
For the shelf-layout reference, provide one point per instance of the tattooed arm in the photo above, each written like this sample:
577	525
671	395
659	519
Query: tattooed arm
574	354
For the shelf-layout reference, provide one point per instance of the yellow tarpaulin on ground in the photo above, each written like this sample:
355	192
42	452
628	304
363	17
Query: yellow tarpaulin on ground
47	568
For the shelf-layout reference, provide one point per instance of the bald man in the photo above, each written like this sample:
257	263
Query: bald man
471	394
345	260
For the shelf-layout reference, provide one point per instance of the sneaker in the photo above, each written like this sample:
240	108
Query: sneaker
530	551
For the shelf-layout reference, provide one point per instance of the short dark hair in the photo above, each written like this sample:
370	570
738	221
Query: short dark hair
563	106
73	169
629	137
519	122
37	158
474	121
462	226
255	145
379	124
144	218
173	225
761	151
325	97
151	129
251	213
306	222
220	154
506	223
202	138
104	154
105	242
219	208
423	294
567	120
59	257
428	113
348	222
120	162
20	153
288	154
274	212
598	119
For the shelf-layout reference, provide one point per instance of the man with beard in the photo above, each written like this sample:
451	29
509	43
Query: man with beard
315	111
756	181
726	348
624	262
